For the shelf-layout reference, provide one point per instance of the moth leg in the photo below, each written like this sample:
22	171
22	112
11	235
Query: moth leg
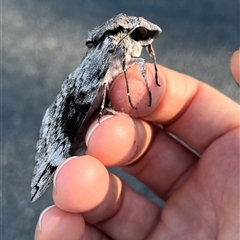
124	67
153	56
105	88
142	67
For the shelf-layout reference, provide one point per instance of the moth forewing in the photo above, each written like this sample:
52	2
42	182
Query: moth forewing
112	48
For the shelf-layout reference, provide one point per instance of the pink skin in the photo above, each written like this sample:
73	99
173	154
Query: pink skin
201	193
235	66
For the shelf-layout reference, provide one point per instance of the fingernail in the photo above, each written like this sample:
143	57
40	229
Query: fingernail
39	224
58	169
93	126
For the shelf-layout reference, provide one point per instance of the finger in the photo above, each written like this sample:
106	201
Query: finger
119	140
138	93
85	171
235	66
55	223
192	110
82	184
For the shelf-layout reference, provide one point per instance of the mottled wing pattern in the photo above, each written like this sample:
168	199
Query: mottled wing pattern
65	118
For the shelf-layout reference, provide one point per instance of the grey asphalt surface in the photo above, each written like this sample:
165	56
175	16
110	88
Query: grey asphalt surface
43	41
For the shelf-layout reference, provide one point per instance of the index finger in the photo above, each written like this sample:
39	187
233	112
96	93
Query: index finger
190	109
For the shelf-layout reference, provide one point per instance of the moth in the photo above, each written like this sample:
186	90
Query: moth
112	48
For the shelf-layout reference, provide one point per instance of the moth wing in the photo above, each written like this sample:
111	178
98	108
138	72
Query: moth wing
80	96
62	121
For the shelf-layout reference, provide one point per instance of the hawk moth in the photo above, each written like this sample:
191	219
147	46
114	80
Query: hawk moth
112	48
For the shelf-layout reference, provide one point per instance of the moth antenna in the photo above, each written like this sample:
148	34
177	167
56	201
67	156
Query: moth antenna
120	42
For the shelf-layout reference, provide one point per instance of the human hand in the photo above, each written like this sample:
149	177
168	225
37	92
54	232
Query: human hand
201	190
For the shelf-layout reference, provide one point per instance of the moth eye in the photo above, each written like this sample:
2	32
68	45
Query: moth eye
140	34
89	44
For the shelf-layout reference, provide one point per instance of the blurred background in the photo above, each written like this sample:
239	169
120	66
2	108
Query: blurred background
43	41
